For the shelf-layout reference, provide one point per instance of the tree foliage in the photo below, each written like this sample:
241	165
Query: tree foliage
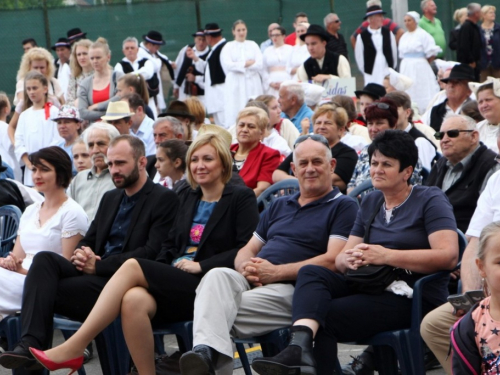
29	4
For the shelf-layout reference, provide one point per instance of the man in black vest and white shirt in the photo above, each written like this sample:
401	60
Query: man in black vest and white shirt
322	64
131	63
376	49
458	93
150	48
188	80
214	74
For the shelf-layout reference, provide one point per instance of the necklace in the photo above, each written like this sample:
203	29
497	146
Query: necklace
389	213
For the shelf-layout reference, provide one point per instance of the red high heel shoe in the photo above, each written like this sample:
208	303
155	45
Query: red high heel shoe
73	364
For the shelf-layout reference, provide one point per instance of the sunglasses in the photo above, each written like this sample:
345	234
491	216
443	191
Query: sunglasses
315	137
336	21
275	35
450	133
380	105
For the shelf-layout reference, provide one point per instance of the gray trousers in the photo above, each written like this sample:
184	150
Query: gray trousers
226	307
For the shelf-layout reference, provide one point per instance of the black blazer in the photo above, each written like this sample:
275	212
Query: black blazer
152	218
228	229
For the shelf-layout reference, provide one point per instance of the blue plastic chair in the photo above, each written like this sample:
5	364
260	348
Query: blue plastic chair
9	223
406	346
272	343
280	189
121	356
361	188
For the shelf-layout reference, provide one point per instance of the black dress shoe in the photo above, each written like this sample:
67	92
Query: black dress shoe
199	361
19	357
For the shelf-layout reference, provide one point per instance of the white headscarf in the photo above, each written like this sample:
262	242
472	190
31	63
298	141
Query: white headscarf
414	15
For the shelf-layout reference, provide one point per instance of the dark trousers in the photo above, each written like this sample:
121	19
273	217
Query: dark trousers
54	286
344	316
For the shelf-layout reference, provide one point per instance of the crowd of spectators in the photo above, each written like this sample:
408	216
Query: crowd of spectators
142	207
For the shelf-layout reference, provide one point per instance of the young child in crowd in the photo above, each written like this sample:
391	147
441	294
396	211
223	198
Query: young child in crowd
133	83
6	146
476	337
81	156
35	129
171	162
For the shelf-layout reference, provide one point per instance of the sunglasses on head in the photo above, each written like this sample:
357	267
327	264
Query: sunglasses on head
314	137
380	105
450	133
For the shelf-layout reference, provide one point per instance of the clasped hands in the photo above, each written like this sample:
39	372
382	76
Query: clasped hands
365	254
259	272
11	263
84	260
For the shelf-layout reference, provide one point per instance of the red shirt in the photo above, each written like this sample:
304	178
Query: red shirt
99	96
291	39
259	165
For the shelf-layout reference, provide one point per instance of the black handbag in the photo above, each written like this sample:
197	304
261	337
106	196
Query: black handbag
371	279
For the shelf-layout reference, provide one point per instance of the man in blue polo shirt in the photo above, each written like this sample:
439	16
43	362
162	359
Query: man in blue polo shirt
292	104
310	227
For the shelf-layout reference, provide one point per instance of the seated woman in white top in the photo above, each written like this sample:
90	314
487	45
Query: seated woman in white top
57	225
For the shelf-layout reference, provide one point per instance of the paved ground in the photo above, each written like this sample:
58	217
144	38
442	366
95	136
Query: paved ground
93	367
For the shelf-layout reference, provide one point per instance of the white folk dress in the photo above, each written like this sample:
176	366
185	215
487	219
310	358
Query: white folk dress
274	67
34	131
241	83
414	49
298	56
67	222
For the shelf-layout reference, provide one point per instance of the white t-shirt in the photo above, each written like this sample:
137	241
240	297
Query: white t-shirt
488	207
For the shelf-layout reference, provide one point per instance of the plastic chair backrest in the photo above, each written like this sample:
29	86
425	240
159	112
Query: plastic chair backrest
361	188
9	223
279	189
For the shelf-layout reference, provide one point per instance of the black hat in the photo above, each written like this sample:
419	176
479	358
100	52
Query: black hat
200	32
154	37
2	168
212	29
318	31
371	11
75	34
460	72
61	42
177	108
373	90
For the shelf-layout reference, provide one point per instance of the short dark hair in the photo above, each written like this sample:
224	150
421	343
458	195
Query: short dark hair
300	14
396	144
134	101
487	86
401	98
373	112
347	103
59	159
281	29
471	109
137	144
175	149
30	41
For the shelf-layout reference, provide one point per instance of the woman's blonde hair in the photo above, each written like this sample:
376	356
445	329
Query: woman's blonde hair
136	81
222	151
485	9
259	114
75	67
102	43
459	13
337	113
196	108
34	74
36	53
298	41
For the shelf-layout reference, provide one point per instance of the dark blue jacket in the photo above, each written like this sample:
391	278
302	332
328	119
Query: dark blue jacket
495	41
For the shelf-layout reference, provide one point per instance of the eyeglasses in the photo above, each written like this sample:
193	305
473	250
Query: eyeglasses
275	35
314	137
450	133
380	105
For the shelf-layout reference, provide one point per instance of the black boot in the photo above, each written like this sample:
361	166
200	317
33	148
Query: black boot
296	359
199	361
